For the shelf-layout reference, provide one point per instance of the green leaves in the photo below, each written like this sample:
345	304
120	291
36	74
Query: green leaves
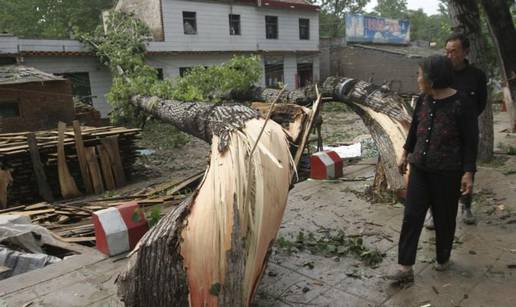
332	244
122	48
51	18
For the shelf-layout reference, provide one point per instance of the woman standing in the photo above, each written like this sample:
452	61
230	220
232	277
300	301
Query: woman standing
441	148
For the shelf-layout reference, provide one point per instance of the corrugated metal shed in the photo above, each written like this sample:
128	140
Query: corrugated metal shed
16	74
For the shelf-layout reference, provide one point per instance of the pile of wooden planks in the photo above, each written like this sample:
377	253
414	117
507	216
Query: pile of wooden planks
71	221
66	162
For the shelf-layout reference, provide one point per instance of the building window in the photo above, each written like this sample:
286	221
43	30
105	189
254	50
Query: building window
159	72
183	71
271	27
189	23
9	109
304	28
81	87
234	24
273	71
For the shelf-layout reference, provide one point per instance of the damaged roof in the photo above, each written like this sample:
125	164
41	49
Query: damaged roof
16	74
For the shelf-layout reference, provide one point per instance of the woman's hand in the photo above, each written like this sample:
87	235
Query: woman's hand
466	185
402	165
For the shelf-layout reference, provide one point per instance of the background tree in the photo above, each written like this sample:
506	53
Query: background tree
501	26
434	28
51	18
331	20
392	9
465	18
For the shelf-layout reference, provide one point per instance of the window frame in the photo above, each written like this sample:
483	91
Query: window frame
307	20
191	19
275	23
231	21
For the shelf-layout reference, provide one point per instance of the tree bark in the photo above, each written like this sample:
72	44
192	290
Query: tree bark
212	249
503	33
385	114
465	18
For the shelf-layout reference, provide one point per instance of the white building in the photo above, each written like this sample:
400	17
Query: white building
285	33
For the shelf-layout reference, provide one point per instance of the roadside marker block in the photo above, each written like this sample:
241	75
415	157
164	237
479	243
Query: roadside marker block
325	165
118	229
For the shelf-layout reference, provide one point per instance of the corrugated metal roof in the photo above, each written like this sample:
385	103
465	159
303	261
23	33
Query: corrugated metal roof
15	74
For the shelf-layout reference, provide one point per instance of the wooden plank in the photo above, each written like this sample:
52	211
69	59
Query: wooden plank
105	165
176	187
66	181
83	164
12	209
111	145
94	169
5	181
34	212
44	189
78	239
38	206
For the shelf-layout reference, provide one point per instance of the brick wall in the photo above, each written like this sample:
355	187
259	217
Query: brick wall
41	105
379	67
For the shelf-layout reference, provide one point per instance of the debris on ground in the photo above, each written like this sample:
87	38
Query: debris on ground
48	164
331	244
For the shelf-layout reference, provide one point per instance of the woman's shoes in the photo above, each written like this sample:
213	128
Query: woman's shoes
441	267
401	276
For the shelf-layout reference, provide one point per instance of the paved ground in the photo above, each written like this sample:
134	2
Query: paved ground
484	256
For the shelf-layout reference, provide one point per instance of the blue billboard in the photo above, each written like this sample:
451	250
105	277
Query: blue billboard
368	29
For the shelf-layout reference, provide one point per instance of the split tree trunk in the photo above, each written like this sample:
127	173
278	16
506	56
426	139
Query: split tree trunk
212	249
384	113
465	17
503	33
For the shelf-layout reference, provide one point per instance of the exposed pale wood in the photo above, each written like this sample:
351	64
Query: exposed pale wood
78	239
44	189
111	145
12	209
105	165
83	164
94	169
66	181
308	128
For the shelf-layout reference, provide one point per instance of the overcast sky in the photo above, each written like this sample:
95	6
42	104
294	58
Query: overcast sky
430	7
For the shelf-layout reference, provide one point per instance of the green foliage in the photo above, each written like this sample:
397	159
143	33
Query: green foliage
210	83
434	28
154	215
392	9
332	245
331	18
51	18
122	48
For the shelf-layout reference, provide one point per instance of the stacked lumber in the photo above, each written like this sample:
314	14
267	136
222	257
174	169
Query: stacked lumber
47	164
71	221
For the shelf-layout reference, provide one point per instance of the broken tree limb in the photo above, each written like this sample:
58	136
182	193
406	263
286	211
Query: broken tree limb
385	114
211	250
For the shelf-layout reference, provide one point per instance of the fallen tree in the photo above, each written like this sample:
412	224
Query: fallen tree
385	114
212	249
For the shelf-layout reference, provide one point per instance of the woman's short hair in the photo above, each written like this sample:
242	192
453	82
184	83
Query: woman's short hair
438	70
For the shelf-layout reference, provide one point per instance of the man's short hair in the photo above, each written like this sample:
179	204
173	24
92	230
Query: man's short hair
438	70
457	36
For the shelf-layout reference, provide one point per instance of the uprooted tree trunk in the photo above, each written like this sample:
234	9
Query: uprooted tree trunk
212	249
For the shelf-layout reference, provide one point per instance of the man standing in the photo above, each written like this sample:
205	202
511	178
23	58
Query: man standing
472	82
